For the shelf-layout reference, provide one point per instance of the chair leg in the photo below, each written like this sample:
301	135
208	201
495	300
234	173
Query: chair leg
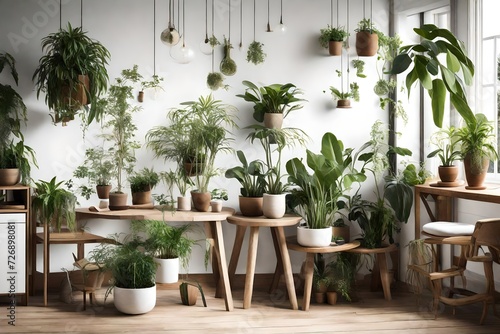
436	294
84	300
485	311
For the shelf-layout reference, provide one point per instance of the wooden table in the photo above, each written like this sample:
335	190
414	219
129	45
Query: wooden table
444	196
213	230
309	267
282	256
380	271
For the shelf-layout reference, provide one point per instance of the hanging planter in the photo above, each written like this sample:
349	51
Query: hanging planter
227	66
366	39
333	39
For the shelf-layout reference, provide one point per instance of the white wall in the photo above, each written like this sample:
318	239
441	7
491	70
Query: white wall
125	27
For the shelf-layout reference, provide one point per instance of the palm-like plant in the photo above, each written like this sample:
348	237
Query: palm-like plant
54	205
275	98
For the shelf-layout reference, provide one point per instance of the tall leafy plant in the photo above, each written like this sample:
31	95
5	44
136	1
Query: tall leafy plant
440	79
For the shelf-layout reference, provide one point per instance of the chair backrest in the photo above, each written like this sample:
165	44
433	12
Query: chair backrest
487	233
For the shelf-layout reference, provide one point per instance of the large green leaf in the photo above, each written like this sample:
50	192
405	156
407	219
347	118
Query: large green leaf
452	62
423	75
401	62
438	100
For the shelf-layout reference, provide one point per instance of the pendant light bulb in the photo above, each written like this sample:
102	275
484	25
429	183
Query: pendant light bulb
282	26
170	36
182	54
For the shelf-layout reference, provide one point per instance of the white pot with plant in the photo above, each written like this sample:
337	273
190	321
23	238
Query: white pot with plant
218	196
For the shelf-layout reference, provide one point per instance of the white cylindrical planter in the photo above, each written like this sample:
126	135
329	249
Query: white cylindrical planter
309	237
216	205
134	301
274	206
167	270
184	203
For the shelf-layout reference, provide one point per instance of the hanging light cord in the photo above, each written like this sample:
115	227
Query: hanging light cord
268	10
331	12
60	14
281	13
206	21
183	23
348	83
241	23
81	14
254	19
371	16
213	34
229	33
154	39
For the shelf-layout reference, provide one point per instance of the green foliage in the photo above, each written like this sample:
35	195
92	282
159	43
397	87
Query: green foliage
183	288
366	25
120	124
155	82
53	205
255	53
96	168
330	33
219	194
227	66
144	180
275	98
273	141
213	41
448	146
359	65
69	53
438	78
165	241
478	141
342	271
196	133
317	194
352	93
130	266
19	156
250	175
215	80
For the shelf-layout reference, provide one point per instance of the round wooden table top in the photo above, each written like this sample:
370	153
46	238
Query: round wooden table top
261	221
385	249
292	243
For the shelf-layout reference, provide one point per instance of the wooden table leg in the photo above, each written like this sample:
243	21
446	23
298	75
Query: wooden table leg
46	263
287	267
210	232
222	264
309	270
251	260
235	254
385	276
279	263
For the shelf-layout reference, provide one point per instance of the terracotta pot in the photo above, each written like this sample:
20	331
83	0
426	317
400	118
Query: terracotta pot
366	44
189	294
78	97
473	174
9	176
343	103
335	48
331	297
448	173
273	120
342	231
140	96
274	205
141	197
251	206
201	201
320	297
118	201
103	191
184	203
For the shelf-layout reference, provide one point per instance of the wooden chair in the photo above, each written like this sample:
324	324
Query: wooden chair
90	280
486	233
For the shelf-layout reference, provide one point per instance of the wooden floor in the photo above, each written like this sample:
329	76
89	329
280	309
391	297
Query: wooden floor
370	313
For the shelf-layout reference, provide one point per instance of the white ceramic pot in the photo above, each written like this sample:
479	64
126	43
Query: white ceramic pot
274	206
309	237
134	301
167	270
216	205
184	203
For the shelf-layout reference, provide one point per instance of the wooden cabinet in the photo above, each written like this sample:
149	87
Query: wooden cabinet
15	241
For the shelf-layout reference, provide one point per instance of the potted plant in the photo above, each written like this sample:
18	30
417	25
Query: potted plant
322	278
15	158
253	183
273	142
141	184
119	132
343	98
272	103
227	65
359	66
72	74
183	182
366	38
217	196
97	169
255	53
189	293
342	270
438	78
478	147
315	195
154	83
133	274
197	132
215	80
54	205
169	246
448	151
333	39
